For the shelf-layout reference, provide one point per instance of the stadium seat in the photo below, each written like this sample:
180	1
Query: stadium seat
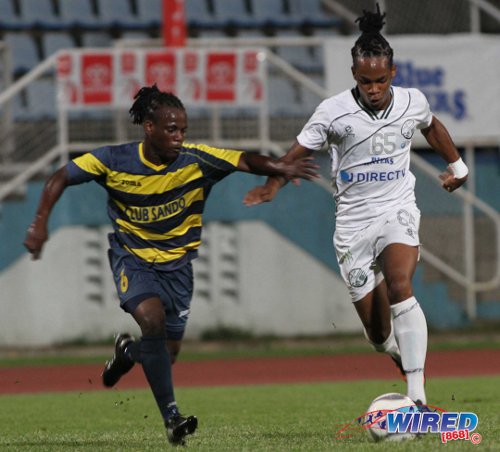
9	19
149	13
233	13
54	41
310	100
198	15
311	13
284	97
111	15
304	58
39	14
96	39
38	101
78	13
25	54
42	99
270	13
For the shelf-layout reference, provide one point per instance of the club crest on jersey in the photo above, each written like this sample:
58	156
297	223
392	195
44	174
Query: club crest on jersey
349	131
357	277
408	128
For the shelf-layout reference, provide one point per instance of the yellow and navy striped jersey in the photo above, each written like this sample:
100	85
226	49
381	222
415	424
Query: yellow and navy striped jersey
156	210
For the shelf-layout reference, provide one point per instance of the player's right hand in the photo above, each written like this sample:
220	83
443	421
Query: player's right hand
36	236
259	195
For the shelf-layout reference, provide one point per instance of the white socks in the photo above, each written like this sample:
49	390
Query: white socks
390	346
410	331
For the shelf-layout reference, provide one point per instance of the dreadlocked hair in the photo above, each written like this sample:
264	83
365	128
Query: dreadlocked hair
148	100
371	43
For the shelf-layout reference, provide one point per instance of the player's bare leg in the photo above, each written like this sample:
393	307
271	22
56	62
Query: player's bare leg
375	313
398	263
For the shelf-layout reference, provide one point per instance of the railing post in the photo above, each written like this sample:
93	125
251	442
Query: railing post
475	18
264	117
469	236
63	134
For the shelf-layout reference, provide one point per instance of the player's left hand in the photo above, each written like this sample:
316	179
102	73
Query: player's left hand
304	168
450	182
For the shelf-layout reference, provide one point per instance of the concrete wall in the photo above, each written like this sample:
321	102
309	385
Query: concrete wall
282	291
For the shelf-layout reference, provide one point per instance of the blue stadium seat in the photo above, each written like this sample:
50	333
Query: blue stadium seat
96	39
9	19
78	13
149	12
304	58
310	100
270	12
37	101
41	97
135	34
39	13
233	12
52	41
198	14
310	12
113	15
24	52
284	97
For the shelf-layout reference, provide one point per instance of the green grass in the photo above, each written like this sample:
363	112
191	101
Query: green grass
300	417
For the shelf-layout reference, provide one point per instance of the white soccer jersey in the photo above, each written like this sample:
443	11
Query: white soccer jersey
369	151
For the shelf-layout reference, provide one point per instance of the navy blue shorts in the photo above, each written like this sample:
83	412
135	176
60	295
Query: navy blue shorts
137	281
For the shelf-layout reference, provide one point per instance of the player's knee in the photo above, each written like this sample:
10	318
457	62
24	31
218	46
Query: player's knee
378	335
399	289
152	326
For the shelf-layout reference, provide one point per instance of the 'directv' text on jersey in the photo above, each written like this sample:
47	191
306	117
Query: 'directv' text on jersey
156	210
369	151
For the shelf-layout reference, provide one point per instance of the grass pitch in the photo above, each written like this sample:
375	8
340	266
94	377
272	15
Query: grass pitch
300	417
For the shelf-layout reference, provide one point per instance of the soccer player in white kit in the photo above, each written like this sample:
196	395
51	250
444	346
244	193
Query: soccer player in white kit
368	133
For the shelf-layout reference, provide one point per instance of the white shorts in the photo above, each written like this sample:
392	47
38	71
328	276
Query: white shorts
357	251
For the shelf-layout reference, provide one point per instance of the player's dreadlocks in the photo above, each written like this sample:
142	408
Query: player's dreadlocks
148	100
371	43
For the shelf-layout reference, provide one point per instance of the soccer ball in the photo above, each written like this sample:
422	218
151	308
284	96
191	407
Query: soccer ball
374	421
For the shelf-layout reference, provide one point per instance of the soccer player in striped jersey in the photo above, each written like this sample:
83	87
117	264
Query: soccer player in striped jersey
157	191
368	132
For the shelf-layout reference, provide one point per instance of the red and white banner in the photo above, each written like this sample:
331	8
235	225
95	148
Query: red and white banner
174	23
111	78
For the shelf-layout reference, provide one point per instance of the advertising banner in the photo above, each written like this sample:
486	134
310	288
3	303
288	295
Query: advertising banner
458	74
111	78
174	23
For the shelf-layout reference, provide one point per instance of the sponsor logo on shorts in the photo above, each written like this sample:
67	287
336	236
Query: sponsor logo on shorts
184	313
346	257
357	277
405	218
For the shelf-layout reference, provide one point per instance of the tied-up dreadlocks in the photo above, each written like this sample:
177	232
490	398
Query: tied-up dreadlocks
371	43
148	100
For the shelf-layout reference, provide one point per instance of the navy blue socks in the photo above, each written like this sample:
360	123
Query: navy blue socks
152	353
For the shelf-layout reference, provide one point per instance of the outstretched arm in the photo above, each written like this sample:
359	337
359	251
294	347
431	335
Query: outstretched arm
267	192
302	167
440	140
37	233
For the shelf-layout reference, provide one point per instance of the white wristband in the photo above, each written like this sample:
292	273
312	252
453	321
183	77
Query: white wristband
458	169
